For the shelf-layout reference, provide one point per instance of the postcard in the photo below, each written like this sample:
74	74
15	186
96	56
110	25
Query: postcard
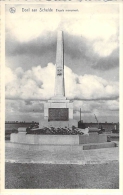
61	82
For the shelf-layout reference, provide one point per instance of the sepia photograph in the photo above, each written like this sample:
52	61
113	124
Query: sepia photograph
62	124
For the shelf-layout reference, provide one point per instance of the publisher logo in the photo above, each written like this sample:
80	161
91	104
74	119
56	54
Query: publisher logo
12	10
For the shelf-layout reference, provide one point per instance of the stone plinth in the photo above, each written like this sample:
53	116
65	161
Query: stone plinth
57	124
54	103
58	112
56	139
92	138
22	130
73	151
99	145
45	139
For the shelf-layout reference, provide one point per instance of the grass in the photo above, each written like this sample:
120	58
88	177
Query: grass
46	176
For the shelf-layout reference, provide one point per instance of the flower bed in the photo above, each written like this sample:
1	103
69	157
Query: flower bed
55	131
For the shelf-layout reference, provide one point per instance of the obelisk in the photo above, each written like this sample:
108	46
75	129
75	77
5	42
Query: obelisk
58	111
59	77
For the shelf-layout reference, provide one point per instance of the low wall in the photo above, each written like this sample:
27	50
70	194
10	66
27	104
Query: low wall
49	148
92	138
60	149
57	139
45	139
99	145
114	137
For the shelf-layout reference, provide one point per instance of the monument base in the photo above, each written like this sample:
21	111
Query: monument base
56	139
68	150
57	124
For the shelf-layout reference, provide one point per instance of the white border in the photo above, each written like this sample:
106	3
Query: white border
56	191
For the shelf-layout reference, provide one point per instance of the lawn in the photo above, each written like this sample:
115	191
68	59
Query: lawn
45	176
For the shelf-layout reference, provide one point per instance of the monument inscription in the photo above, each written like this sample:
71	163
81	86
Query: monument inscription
58	114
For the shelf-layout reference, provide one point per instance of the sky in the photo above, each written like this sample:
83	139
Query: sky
91	60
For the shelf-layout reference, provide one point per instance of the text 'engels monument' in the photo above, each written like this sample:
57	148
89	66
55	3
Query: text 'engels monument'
58	111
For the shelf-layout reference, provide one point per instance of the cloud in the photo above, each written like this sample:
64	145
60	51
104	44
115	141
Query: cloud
78	53
26	110
19	110
97	24
105	110
26	27
96	107
89	87
22	106
38	84
92	29
108	62
37	46
113	105
35	83
105	47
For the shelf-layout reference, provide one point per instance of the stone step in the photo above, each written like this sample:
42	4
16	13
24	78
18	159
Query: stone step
99	145
60	148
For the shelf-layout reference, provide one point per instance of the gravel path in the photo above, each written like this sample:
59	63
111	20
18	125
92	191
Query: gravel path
67	156
45	176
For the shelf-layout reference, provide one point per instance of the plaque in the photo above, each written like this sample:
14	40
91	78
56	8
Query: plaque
59	71
58	114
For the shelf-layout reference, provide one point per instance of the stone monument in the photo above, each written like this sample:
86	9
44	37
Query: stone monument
58	111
